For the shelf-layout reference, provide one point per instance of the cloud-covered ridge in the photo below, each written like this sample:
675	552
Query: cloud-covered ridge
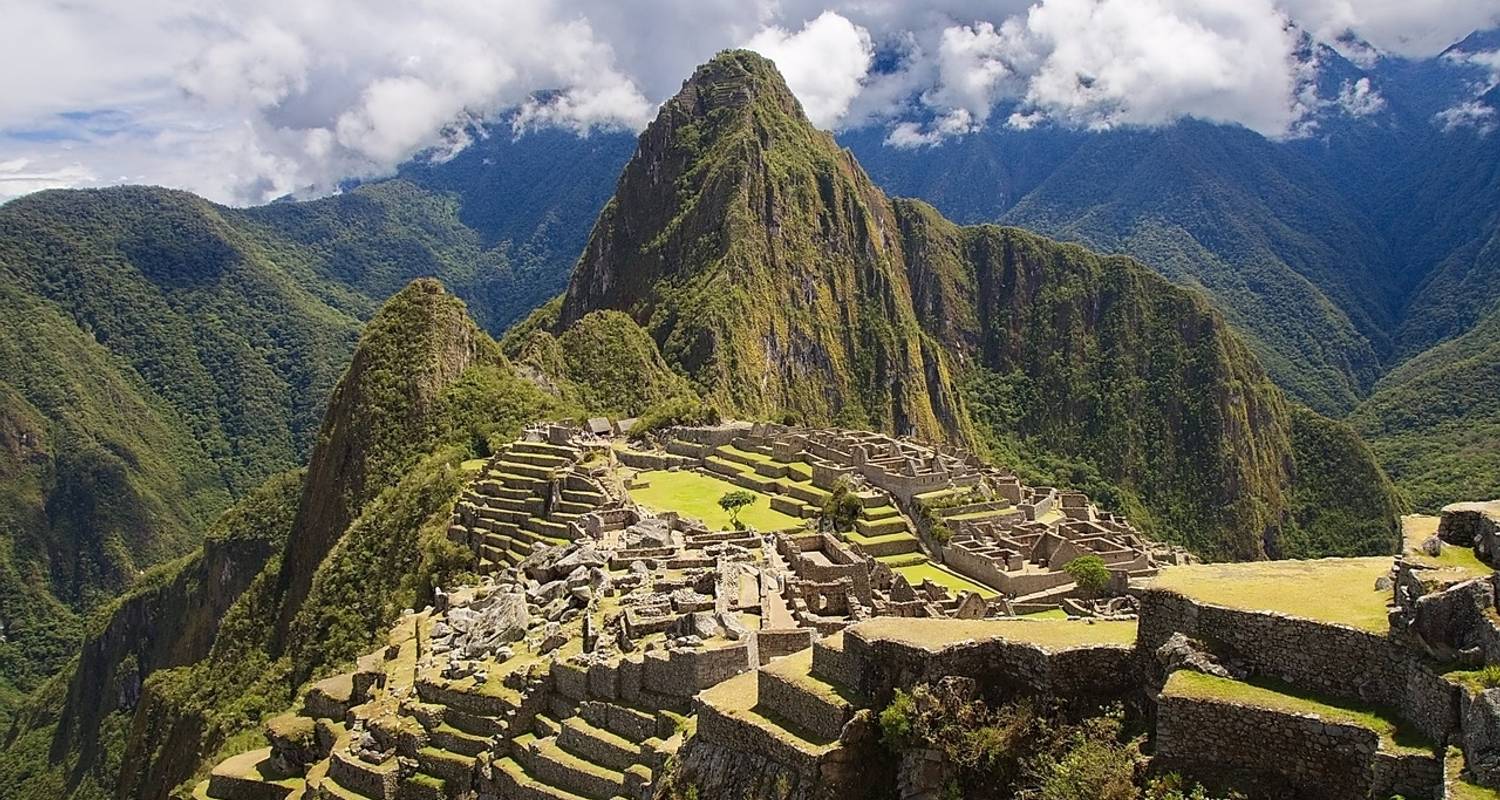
247	101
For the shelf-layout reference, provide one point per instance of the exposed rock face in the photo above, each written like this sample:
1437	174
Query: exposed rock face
767	266
748	244
1481	734
1180	652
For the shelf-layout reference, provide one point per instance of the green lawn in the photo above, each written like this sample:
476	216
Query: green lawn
1339	590
1277	696
696	495
944	577
1418	528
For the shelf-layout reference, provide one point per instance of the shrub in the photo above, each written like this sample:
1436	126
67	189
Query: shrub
1090	573
842	507
898	720
677	411
1489	676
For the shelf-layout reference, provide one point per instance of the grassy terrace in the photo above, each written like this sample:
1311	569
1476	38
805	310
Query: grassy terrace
696	495
1337	590
943	576
1460	788
1417	528
738	698
1276	696
1052	634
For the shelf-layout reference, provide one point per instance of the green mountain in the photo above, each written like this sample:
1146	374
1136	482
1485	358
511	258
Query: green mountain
759	257
361	533
771	271
167	356
746	265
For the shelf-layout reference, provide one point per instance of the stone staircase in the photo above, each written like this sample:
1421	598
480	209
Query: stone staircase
598	749
525	497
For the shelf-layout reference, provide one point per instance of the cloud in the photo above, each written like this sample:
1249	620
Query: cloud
824	63
1403	27
1101	64
247	100
1359	99
1471	114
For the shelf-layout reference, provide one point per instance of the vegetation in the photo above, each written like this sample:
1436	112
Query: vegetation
734	500
1024	748
842	506
674	412
426	392
1089	572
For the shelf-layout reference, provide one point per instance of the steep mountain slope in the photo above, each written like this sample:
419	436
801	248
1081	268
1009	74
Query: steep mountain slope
761	259
769	269
167	355
1435	420
1254	225
146	702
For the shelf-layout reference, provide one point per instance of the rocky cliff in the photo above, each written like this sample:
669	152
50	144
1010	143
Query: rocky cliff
768	268
765	264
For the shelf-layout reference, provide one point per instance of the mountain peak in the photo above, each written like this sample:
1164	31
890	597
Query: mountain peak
736	79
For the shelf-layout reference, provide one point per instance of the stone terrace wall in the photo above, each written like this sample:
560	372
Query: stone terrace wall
1285	755
1332	660
1001	667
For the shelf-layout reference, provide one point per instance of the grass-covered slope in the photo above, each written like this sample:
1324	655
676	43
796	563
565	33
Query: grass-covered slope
758	256
362	534
772	272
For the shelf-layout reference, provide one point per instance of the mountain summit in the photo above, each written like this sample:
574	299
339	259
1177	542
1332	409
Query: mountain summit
771	271
765	263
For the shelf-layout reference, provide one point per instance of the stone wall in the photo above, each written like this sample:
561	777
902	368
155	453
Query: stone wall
990	572
1332	660
1002	668
684	673
771	644
1282	755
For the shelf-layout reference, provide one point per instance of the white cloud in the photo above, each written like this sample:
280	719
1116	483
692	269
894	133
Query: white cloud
824	64
245	100
1359	99
1412	28
1471	114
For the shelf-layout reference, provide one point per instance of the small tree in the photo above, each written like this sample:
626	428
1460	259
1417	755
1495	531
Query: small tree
733	501
1089	572
843	506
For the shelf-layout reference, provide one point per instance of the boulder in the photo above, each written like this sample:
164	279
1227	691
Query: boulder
1481	734
701	624
1181	652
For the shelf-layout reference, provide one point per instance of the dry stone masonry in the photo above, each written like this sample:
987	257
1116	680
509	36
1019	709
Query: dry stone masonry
612	649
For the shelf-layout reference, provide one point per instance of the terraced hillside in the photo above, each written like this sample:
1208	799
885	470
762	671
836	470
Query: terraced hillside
611	650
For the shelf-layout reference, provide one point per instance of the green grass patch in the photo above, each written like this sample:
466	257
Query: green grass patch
1418	528
941	576
1336	590
1278	696
696	495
